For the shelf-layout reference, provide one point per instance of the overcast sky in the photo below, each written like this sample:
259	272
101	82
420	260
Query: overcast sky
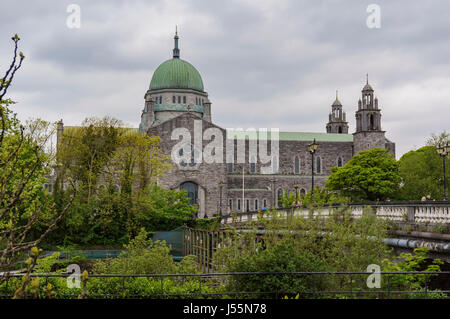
263	63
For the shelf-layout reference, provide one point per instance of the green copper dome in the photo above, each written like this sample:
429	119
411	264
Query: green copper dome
176	74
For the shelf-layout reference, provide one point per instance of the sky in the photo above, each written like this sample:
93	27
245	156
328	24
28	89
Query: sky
264	63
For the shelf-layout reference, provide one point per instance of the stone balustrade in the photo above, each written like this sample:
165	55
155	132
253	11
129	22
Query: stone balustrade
430	212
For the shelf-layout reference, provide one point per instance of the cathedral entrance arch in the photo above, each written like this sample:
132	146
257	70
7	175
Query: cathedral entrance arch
196	196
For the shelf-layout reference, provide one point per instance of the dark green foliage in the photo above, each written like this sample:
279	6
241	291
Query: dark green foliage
371	175
422	174
284	256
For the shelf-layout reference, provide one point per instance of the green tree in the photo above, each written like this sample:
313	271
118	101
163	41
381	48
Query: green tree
371	175
27	213
421	172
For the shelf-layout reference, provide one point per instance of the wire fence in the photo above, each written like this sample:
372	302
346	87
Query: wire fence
238	285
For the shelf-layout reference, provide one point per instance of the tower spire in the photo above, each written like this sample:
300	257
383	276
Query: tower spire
367	78
176	51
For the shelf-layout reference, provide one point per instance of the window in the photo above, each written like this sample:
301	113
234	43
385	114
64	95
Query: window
230	165
253	165
265	202
179	99
247	203
256	205
296	165
230	204
238	204
184	99
196	101
339	163
279	197
173	99
340	130
274	165
318	165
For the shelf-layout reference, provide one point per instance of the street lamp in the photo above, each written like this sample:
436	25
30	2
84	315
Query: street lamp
312	149
443	152
221	184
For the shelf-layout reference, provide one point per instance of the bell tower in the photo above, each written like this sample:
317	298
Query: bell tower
336	119
368	133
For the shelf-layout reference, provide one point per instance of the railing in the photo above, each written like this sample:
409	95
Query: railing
353	284
428	212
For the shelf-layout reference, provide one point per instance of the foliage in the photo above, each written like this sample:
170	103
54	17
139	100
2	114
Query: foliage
143	256
337	242
437	140
283	256
421	172
27	213
411	263
371	175
116	185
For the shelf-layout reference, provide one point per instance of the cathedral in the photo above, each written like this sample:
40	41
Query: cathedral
176	98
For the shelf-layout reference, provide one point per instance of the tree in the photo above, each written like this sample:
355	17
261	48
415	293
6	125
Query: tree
371	175
438	139
24	166
422	174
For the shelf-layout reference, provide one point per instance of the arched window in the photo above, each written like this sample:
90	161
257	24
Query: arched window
340	130
253	164
179	99
279	197
196	101
256	205
339	163
296	165
173	99
247	204
265	202
238	204
184	99
318	165
372	124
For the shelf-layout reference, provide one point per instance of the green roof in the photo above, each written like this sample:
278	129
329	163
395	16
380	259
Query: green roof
176	74
297	136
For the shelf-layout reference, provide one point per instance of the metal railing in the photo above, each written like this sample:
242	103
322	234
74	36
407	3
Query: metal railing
234	285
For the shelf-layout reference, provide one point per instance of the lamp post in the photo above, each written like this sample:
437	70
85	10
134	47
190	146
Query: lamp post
312	149
221	184
443	152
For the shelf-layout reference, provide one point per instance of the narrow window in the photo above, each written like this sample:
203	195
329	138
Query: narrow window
318	165
339	162
238	204
179	99
265	202
274	165
184	99
173	99
230	165
247	203
297	165
256	205
230	204
196	101
160	100
253	165
279	195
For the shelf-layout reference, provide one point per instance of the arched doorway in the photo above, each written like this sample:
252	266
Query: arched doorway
192	192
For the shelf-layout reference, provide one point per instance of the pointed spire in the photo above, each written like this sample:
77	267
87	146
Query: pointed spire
337	102
367	78
176	51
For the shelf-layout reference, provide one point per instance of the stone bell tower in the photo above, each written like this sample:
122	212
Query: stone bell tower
368	133
336	120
